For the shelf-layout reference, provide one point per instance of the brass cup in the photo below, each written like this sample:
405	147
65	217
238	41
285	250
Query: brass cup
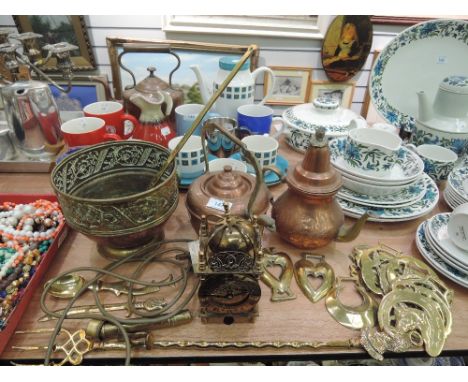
103	192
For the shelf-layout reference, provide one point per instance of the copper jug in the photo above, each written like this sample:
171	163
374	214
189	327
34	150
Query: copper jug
151	86
307	214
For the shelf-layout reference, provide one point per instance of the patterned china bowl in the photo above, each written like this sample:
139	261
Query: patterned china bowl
301	121
104	193
453	139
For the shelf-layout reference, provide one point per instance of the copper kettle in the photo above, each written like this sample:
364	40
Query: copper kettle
151	86
245	194
207	195
307	214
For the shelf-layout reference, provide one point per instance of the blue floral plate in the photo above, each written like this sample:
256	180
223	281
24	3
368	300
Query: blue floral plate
384	214
270	178
416	60
432	258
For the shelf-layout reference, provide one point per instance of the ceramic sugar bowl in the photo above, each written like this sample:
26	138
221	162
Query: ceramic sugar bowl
300	122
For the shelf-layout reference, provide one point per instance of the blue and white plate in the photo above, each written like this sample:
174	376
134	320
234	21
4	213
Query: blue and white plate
270	178
437	227
407	195
417	59
383	214
406	169
458	182
435	260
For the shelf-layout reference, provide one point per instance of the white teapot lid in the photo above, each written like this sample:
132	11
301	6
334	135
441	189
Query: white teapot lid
455	84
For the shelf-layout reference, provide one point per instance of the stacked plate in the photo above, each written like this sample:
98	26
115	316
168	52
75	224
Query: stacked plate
406	193
438	249
456	191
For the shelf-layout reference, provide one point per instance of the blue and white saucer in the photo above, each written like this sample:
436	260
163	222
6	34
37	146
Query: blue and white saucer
435	260
270	178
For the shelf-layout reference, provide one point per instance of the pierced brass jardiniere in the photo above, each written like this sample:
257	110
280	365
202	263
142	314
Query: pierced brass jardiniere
104	193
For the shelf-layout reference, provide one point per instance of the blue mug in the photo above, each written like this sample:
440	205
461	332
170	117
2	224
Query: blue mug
186	114
256	118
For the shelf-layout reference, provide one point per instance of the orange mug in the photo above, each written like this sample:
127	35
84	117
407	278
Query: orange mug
86	131
113	113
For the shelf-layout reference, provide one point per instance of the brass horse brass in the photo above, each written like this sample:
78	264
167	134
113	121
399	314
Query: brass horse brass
305	268
280	288
364	315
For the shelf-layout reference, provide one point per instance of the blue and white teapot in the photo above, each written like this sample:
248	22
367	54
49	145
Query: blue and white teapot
240	91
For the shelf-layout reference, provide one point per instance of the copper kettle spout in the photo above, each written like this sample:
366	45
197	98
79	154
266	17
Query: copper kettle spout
349	233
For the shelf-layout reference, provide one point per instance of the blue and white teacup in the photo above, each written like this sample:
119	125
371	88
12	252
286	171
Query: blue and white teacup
186	115
264	148
190	160
438	161
256	118
372	152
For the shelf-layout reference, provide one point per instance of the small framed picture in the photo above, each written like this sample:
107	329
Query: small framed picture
343	91
291	87
83	93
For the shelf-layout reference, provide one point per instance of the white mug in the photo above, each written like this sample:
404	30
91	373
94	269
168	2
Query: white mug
458	226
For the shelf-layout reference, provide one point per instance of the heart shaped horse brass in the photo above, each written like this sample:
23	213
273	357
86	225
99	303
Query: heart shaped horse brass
305	268
280	288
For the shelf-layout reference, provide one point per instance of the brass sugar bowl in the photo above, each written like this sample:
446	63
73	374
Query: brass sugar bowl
104	192
307	214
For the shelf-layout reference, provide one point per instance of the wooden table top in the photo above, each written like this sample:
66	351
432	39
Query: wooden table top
297	319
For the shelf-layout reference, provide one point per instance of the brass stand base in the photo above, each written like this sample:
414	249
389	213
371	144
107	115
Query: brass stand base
114	253
228	319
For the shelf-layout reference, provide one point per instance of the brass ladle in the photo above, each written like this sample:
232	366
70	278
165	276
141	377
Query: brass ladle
68	286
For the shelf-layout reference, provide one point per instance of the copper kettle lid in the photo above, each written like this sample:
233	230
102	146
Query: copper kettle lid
315	174
229	184
151	83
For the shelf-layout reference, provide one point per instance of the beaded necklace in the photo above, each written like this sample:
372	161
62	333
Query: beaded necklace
26	232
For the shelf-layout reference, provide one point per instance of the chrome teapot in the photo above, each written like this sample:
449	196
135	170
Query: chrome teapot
31	112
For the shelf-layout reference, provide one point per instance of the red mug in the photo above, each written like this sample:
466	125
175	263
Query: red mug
112	112
86	131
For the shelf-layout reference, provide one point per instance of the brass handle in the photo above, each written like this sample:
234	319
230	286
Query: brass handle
139	48
250	50
274	169
249	156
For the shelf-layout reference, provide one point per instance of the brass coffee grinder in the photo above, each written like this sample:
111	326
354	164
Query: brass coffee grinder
230	258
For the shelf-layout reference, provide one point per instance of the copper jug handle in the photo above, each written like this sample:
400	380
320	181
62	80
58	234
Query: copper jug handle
150	48
249	156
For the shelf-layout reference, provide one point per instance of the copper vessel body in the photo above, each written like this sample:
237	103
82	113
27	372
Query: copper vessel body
307	222
230	186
